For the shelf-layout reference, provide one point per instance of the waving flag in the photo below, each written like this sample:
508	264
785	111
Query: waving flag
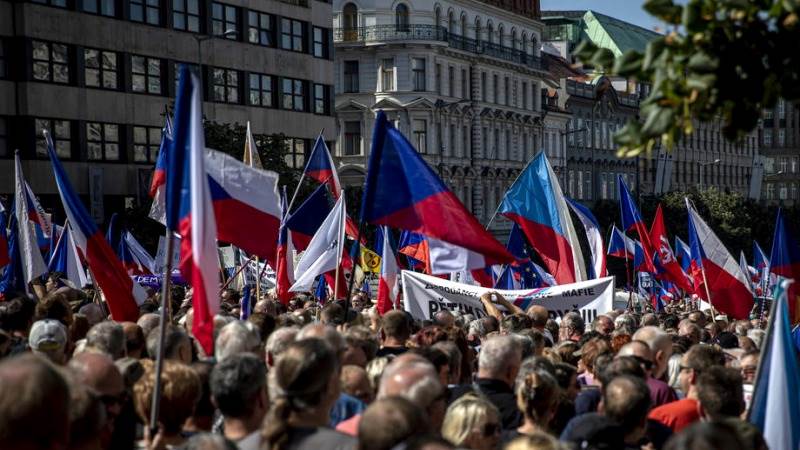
536	203
67	261
727	284
667	266
522	269
389	284
323	252
746	268
598	267
322	290
246	204
415	247
33	265
765	281
122	294
785	262
4	258
131	258
139	254
158	184
684	254
194	213
251	158
775	407
632	220
284	269
546	278
320	167
12	280
308	217
760	260
402	191
619	245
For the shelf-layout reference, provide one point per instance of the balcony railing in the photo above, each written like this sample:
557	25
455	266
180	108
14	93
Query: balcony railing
387	33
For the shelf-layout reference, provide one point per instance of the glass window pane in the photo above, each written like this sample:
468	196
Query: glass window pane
41	71
179	21
154	85
193	6
40	51
139	153
59	53
109	60
91	58
92	77
139	135
112	151
153	66
153	16
112	133
137	64
60	73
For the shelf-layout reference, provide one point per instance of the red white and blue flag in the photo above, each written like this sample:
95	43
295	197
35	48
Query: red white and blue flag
320	167
727	285
324	252
33	265
307	218
598	267
632	220
684	254
666	265
785	262
389	284
66	259
121	293
536	203
159	181
402	191
284	267
189	207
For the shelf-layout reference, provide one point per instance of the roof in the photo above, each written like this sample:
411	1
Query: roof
605	31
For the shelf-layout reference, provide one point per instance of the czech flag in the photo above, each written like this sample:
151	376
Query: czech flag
284	268
307	218
667	266
785	262
12	281
33	265
121	293
139	254
598	267
130	259
189	206
632	220
389	283
158	184
415	247
619	245
320	167
402	191
684	254
761	263
727	285
536	203
66	260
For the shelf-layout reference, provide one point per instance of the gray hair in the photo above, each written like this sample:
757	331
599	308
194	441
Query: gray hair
327	333
477	328
654	337
418	379
625	322
107	337
207	441
573	321
235	338
279	341
757	336
497	353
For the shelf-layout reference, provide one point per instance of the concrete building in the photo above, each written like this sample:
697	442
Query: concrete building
100	73
463	79
780	148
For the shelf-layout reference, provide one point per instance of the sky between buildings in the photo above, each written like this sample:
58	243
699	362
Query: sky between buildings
627	10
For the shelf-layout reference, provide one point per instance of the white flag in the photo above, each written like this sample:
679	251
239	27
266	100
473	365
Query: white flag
323	252
32	262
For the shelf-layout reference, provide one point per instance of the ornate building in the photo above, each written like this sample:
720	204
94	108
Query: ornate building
780	147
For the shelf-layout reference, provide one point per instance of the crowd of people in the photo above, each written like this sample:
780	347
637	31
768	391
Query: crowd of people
306	376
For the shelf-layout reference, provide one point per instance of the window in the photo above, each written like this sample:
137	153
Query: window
293	94
421	135
102	141
418	70
261	90
3	67
60	131
146	142
483	86
438	77
782	192
50	62
146	11
57	3
524	95
571	185
781	109
387	74
464	142
603	186
320	99
352	138
186	15
100	68
224	18
296	157
464	84
102	7
292	35
588	188
794	164
145	75
495	89
580	185
351	76
506	91
767	138
770	191
451	81
781	137
496	149
259	28
401	17
451	142
320	42
225	85
783	164
3	137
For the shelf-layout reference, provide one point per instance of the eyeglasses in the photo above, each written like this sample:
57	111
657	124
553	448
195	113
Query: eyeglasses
646	363
682	368
490	429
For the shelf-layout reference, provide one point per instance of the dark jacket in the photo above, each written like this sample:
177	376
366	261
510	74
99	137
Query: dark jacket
500	394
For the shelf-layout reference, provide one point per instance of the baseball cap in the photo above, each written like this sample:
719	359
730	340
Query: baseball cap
47	335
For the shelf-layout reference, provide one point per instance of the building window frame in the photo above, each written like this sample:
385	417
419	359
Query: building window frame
107	8
103	66
186	15
104	138
418	72
352	138
295	157
261	90
420	132
260	28
224	17
321	105
293	94
146	142
387	74
55	61
145	11
320	37
351	75
225	85
293	35
60	132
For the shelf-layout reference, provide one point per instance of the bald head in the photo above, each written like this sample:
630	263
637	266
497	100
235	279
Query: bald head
538	315
98	371
660	344
626	400
413	378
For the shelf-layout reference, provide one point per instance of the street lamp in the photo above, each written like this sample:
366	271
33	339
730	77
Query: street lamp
200	38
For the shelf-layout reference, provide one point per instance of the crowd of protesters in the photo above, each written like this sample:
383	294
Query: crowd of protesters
305	376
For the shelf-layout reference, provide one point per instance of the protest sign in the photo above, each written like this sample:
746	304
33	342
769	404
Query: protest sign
424	296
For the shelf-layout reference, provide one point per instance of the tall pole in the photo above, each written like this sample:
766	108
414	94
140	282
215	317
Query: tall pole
166	290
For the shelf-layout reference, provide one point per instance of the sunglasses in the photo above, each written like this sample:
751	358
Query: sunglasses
646	363
490	429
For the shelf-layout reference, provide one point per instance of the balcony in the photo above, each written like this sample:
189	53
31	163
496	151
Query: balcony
388	33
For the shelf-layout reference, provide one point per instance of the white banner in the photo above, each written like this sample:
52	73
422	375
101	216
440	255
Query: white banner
424	296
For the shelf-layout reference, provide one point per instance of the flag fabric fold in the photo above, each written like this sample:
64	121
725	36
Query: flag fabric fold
598	267
785	262
33	265
632	221
284	268
389	283
324	251
308	217
251	158
158	191
67	261
666	265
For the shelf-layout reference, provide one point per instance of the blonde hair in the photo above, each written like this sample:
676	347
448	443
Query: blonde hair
537	395
180	392
536	441
464	415
374	372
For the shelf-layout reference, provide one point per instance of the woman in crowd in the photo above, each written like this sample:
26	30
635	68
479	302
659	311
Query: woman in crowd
472	422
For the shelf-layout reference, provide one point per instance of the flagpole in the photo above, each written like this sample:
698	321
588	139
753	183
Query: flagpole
491	219
628	270
340	234
708	295
227	283
302	177
166	291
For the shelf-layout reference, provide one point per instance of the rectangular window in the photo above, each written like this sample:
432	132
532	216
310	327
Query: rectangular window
421	135
495	89
292	35
100	68
603	186
351	76
50	62
464	142
483	86
296	157
571	185
293	94
259	28
524	95
225	85
320	99
781	137
3	66
60	131
102	7
387	74
261	90
580	185
588	188
352	138
223	19
186	15
438	76
320	42
506	91
781	109
146	11
145	74
418	71
56	3
768	138
102	141
464	84
3	137
451	81
452	140
146	141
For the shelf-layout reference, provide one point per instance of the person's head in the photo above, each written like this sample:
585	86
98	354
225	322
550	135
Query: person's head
567	377
98	371
572	327
177	344
355	382
454	357
648	320
34	404
235	338
48	338
238	387
639	351
691	330
87	415
698	317
535	441
603	325
539	316
695	361
16	315
500	359
472	422
413	377
537	398
180	392
230	296
134	339
748	364
333	338
590	351
93	312
306	382
444	318
388	422
719	391
566	351
626	401
757	336
375	370
439	359
278	342
332	314
660	345
395	327
514	323
149	322
208	441
706	435
55	306
107	337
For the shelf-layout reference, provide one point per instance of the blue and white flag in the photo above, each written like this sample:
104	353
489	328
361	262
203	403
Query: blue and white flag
598	267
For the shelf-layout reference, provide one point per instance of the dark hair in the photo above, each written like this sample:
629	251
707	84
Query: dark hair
437	357
671	321
727	340
538	394
704	357
719	390
17	314
626	401
430	335
174	336
395	324
388	422
235	383
622	365
55	306
515	323
264	323
564	373
705	435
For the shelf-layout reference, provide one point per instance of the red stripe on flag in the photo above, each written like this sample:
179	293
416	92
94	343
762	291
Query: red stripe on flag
112	278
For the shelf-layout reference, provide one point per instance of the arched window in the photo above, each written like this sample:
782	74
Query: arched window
451	22
490	32
500	36
533	45
350	22
478	29
401	17
463	25
523	42
514	38
437	16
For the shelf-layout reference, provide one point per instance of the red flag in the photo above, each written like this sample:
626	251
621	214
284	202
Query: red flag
667	266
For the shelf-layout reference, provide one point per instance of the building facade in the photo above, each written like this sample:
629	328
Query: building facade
99	74
462	79
780	148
